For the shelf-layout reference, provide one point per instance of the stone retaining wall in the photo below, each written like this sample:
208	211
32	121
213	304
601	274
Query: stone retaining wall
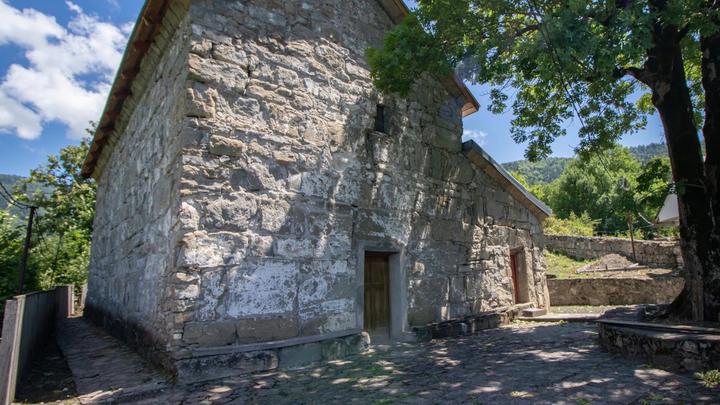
670	347
647	252
614	291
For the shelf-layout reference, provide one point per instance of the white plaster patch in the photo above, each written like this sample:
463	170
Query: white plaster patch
313	289
212	289
203	250
268	288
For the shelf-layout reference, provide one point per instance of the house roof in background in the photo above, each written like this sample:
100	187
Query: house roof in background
669	214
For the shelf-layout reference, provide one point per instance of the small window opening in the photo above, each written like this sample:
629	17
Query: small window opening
380	118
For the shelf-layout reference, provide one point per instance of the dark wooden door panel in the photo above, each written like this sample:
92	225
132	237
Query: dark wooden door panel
514	267
377	293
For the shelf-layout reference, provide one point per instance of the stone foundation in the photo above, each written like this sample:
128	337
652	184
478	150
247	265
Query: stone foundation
470	324
212	363
672	347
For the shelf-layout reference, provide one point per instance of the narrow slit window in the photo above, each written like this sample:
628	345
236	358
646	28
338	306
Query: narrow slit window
380	118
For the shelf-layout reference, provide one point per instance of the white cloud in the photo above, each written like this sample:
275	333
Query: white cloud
474	135
24	121
74	7
67	73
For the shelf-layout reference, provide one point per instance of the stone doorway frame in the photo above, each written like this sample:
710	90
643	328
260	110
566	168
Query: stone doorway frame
399	328
523	275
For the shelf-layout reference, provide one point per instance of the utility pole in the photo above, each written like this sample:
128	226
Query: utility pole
26	251
632	233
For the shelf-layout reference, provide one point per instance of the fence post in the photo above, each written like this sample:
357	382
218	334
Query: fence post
65	301
10	348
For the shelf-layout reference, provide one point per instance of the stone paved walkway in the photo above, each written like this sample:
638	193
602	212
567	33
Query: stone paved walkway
540	363
524	363
104	369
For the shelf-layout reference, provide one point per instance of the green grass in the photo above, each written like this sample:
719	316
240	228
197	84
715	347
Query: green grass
710	378
563	266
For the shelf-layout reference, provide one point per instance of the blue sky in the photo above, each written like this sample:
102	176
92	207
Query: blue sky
57	60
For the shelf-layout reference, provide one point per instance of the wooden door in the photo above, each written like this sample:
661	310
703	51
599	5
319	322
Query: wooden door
377	294
514	267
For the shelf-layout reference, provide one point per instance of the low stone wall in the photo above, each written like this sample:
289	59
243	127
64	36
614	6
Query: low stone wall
664	254
27	323
664	346
212	363
470	324
614	291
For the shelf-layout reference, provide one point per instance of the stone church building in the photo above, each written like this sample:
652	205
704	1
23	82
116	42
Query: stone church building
261	203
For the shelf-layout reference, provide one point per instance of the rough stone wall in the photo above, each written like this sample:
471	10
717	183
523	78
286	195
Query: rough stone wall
133	250
647	252
283	179
615	291
664	346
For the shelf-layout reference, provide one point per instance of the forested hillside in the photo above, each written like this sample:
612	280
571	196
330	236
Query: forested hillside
543	171
548	170
8	180
644	153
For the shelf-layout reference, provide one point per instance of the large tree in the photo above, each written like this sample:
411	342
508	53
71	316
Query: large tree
588	60
63	227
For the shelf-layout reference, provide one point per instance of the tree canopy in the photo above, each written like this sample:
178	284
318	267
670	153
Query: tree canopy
588	60
60	247
546	60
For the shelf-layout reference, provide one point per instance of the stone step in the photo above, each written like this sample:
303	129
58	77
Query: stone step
534	312
562	317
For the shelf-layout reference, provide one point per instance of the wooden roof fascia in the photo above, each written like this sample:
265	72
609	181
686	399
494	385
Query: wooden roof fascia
477	155
146	29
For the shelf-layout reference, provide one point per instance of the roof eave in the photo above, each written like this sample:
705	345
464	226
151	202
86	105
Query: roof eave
540	209
144	32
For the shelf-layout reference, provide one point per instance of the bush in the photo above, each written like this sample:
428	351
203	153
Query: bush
574	225
11	244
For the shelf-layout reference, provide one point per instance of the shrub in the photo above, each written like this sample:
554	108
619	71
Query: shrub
574	225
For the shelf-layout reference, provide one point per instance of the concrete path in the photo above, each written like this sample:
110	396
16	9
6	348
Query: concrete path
531	363
104	369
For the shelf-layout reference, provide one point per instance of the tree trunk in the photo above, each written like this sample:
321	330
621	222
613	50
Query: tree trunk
710	48
671	97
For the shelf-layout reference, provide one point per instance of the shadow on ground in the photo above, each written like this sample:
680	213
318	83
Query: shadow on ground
523	363
48	380
539	363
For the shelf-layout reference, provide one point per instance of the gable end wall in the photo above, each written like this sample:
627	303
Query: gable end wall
133	246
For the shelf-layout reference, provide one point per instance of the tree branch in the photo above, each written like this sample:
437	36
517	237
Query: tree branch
642	75
525	30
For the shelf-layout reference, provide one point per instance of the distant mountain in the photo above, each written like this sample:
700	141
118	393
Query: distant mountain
543	171
8	180
643	153
550	169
